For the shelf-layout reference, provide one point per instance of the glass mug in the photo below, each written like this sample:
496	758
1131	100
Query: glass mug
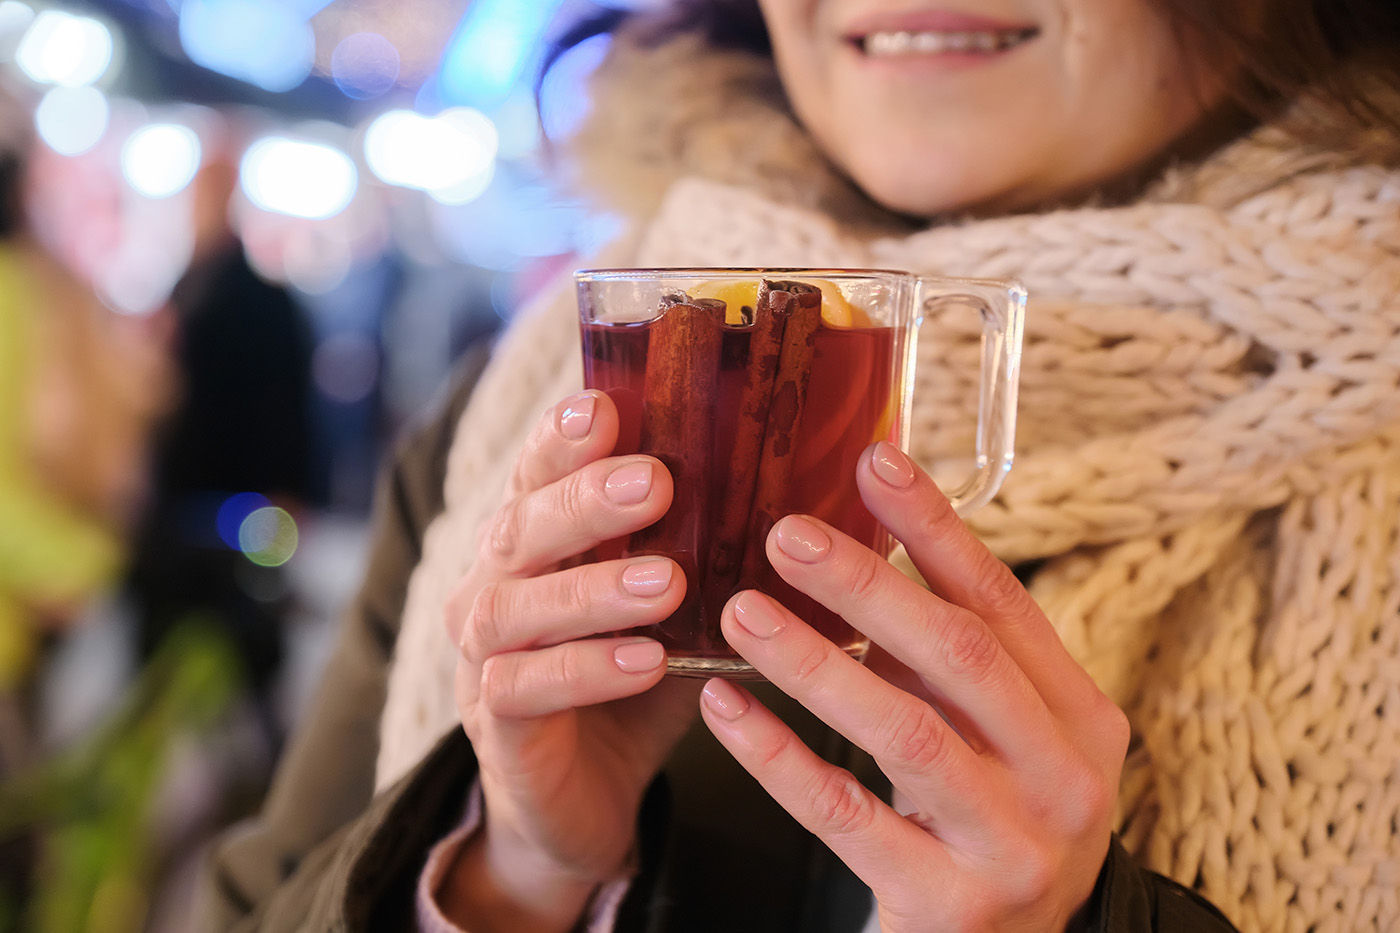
759	389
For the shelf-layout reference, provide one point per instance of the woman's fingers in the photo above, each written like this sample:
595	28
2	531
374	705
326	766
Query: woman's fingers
960	569
828	801
595	503
918	749
975	681
519	614
522	685
578	430
1007	751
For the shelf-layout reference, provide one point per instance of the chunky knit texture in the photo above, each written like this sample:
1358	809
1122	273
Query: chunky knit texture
1208	482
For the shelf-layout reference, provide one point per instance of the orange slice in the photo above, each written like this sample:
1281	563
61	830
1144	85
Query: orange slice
836	310
734	294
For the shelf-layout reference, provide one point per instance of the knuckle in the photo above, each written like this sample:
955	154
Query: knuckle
771	754
1036	876
968	648
1080	799
481	635
866	582
575	593
919	738
566	666
1100	798
815	658
498	686
938	525
517	482
572	492
1113	727
502	542
841	805
456	610
523	475
1001	592
1093	798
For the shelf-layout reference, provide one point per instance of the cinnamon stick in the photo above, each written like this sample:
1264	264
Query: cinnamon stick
803	317
682	374
768	317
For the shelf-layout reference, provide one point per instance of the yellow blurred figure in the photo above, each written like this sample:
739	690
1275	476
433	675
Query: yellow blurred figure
79	390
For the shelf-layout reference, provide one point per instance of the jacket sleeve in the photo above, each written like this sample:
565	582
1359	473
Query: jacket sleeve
272	871
1131	899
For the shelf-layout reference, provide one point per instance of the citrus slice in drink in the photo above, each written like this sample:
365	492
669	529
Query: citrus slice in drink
736	295
741	294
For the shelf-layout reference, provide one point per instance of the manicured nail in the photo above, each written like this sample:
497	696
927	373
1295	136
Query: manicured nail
576	417
648	577
630	483
756	615
638	657
725	700
890	464
800	539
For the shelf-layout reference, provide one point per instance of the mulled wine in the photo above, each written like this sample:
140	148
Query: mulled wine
757	411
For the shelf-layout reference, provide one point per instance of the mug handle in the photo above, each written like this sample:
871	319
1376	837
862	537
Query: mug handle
1002	305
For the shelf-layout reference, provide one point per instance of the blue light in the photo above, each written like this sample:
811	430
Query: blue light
234	512
563	95
309	8
491	48
365	65
262	42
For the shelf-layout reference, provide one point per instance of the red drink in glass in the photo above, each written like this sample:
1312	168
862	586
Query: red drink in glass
759	389
853	397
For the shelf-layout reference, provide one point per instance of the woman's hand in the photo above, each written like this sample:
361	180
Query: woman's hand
1002	745
566	748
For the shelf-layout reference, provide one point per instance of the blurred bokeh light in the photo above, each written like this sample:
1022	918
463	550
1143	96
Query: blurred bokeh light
268	536
450	155
160	159
72	119
64	49
264	42
298	178
365	65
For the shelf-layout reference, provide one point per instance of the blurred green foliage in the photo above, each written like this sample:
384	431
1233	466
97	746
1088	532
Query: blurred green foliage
89	810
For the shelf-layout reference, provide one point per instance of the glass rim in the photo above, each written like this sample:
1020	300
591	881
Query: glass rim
658	273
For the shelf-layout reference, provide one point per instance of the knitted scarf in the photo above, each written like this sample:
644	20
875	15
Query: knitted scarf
1207	482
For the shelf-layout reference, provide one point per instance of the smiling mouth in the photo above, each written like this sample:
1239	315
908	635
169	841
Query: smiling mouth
892	44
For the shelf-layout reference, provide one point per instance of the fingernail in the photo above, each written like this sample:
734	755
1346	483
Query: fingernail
756	615
725	700
890	464
576	418
637	657
630	484
649	577
800	539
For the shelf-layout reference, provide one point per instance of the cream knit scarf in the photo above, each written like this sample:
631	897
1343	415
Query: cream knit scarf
1208	474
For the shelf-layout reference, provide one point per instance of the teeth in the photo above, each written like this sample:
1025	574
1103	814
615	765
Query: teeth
933	43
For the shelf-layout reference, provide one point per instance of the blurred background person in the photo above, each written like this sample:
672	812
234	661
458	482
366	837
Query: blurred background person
239	440
80	390
313	209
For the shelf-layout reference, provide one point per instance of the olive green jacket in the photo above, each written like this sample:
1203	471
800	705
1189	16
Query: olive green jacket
327	855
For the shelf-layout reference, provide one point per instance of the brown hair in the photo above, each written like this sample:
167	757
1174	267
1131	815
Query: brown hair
1339	57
